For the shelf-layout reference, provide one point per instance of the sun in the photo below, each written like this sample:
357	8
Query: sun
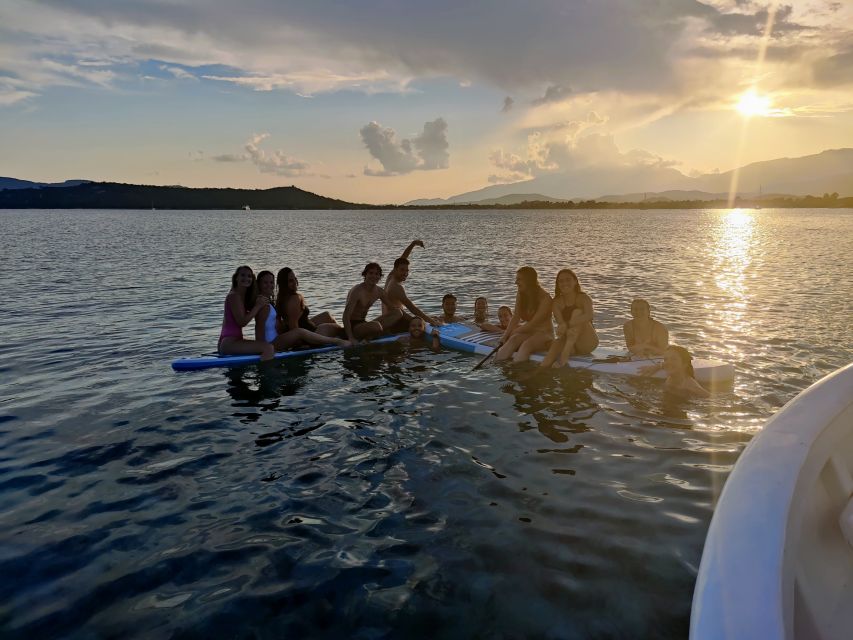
752	104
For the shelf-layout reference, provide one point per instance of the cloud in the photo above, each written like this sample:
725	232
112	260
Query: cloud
554	93
277	162
426	151
508	102
178	72
835	70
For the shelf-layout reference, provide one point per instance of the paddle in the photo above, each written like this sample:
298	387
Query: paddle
488	355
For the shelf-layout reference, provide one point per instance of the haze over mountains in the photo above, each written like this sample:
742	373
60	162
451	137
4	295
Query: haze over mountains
826	172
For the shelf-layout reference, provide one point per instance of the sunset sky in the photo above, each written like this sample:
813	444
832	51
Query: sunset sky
391	101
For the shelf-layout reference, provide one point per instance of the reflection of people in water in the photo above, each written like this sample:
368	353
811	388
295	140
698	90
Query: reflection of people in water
559	405
256	387
644	336
678	364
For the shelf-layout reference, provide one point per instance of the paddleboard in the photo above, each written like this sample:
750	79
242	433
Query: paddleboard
469	338
207	362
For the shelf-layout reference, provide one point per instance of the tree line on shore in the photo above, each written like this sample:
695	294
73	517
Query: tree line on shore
111	195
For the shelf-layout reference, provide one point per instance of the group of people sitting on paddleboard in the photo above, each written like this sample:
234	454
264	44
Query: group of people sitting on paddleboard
283	321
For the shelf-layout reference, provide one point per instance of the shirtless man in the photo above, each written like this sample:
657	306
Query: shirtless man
397	294
448	309
359	300
417	335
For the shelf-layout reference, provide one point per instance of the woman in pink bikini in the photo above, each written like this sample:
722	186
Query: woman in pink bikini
242	304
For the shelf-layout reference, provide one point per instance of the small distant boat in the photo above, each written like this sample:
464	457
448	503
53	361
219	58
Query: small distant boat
246	207
778	558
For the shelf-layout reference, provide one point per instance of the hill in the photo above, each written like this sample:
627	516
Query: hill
14	183
112	195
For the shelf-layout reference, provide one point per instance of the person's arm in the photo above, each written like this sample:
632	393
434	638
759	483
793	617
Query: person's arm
557	311
660	337
260	324
543	310
586	313
488	326
411	306
293	311
241	316
516	318
696	389
436	340
628	330
412	245
347	319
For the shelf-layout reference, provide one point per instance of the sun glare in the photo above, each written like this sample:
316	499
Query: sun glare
751	104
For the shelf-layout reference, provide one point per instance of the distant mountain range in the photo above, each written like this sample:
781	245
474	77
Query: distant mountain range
113	195
826	172
14	183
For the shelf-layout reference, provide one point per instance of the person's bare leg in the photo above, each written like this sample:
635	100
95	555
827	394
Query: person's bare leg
330	329
553	352
239	347
368	330
294	337
323	318
587	341
510	346
536	342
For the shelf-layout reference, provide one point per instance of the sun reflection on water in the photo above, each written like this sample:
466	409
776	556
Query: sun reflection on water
733	252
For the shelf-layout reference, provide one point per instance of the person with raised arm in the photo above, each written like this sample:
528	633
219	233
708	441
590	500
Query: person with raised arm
530	328
267	324
644	336
680	378
573	313
242	305
396	293
359	300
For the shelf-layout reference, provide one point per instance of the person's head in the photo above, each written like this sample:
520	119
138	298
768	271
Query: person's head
481	308
244	280
243	277
640	309
677	360
526	279
401	269
504	315
287	281
417	328
372	273
266	284
566	281
448	305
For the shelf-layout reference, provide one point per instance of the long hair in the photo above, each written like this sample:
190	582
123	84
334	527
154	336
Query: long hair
283	290
685	357
530	294
557	291
251	291
260	276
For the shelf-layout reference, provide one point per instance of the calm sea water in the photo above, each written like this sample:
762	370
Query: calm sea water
379	493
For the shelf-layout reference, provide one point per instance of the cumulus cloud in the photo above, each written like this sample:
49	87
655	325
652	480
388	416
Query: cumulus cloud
277	162
426	151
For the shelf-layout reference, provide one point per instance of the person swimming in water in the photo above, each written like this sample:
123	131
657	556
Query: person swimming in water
573	313
267	323
448	310
530	328
359	300
242	305
644	336
293	312
680	378
417	335
481	316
